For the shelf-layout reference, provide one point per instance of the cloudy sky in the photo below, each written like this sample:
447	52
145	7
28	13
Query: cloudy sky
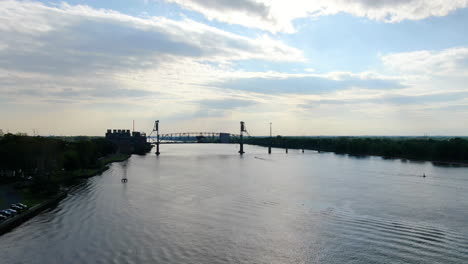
323	67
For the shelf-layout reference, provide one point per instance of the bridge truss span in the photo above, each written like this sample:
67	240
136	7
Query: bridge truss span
195	137
199	137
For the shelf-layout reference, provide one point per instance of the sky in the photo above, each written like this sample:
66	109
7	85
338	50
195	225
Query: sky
323	67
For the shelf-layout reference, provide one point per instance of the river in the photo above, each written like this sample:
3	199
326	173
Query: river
203	203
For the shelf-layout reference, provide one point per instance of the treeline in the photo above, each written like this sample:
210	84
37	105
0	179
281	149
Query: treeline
42	156
453	149
42	164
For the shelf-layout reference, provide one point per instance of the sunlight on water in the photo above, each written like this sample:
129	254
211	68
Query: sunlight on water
203	203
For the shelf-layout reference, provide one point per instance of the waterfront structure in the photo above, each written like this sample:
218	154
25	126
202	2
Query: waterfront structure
127	142
224	138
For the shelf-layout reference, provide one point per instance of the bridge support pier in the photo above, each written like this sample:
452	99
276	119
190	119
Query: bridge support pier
286	150
271	141
157	148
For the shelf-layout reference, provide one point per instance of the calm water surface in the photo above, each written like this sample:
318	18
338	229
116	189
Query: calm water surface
202	203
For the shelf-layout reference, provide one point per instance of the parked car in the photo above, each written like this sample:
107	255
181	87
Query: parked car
2	217
6	213
11	211
16	207
22	205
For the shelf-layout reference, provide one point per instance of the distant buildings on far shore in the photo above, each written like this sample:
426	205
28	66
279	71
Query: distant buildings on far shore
224	138
134	142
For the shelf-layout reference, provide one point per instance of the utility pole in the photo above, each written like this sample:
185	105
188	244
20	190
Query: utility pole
271	141
241	143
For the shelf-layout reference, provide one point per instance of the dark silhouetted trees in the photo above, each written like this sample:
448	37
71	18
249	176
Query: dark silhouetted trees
41	157
453	149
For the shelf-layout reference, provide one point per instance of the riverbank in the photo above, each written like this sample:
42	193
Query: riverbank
104	162
22	217
39	203
441	151
69	178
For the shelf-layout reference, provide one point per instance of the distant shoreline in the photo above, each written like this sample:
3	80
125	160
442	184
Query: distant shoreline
450	152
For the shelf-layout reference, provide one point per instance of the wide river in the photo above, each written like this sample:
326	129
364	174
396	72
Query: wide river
203	203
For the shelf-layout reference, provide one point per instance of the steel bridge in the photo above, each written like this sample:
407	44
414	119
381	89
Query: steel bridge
196	137
192	137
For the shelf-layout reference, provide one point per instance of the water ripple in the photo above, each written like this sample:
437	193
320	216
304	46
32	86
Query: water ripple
210	208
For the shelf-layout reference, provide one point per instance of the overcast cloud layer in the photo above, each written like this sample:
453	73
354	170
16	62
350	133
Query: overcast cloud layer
79	69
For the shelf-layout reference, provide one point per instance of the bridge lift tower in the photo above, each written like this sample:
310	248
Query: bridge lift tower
156	129
241	137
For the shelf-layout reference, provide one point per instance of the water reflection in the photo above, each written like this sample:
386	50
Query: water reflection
205	204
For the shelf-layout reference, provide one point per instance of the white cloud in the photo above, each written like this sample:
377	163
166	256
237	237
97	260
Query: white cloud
81	64
448	62
285	83
72	39
278	15
434	81
64	55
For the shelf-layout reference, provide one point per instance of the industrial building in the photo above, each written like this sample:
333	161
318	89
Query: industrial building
224	138
128	142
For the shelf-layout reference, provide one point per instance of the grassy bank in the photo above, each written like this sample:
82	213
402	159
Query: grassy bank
30	199
34	209
30	193
114	158
103	162
36	171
